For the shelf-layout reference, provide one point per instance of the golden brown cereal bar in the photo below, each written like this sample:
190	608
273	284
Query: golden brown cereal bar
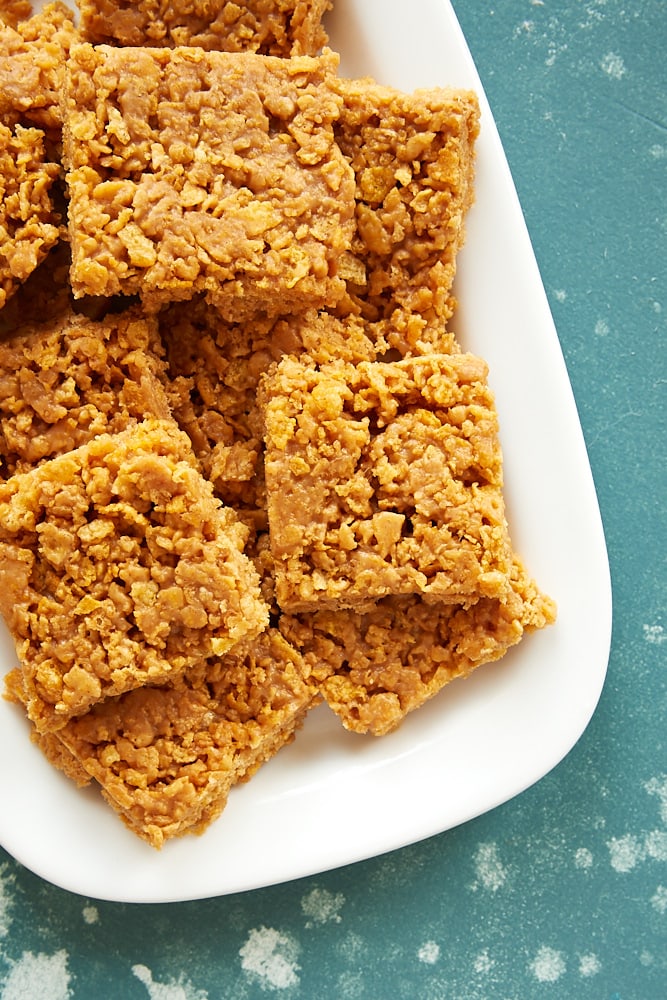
375	667
119	568
270	27
65	382
32	67
14	11
192	171
384	478
413	160
166	757
28	224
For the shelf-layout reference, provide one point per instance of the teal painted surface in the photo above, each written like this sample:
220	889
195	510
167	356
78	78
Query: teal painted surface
561	893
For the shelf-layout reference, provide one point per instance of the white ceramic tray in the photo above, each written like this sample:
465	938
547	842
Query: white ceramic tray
332	797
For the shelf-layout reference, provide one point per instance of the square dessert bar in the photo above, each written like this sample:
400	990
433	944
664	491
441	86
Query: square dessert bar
64	382
119	568
166	757
413	158
375	667
384	478
29	226
214	370
32	67
191	171
270	27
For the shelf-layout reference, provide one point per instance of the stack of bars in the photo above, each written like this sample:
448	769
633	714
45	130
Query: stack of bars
246	466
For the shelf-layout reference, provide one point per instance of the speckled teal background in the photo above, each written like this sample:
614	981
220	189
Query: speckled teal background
561	893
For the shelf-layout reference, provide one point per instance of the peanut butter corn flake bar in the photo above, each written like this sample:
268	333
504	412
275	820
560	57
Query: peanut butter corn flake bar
166	757
376	667
384	478
32	67
66	381
119	568
192	171
269	27
413	157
